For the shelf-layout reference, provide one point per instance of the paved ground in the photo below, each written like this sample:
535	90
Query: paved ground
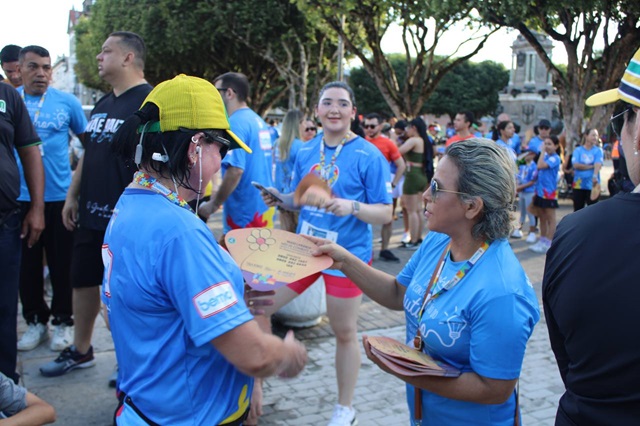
82	397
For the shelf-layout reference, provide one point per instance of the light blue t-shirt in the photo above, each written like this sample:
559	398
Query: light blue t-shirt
244	208
284	169
535	144
360	173
516	143
583	179
509	148
547	183
481	325
170	289
527	173
60	112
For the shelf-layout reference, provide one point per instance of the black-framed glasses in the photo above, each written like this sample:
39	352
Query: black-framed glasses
310	129
617	119
370	126
435	188
224	89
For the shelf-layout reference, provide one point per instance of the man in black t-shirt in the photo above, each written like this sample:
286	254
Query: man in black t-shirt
591	295
99	180
16	131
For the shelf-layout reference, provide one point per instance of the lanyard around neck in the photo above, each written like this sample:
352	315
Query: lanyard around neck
40	103
325	174
148	181
462	272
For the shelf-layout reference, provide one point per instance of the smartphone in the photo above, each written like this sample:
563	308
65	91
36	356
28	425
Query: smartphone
266	191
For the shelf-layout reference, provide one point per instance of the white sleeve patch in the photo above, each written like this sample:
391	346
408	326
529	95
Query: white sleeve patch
215	299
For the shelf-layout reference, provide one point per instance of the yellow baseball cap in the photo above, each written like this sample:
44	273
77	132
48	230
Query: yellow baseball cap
187	102
628	91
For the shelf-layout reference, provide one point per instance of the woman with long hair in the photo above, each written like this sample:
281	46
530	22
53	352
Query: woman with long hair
358	175
415	181
284	157
587	162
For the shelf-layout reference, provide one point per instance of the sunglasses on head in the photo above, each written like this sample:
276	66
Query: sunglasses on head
435	188
370	126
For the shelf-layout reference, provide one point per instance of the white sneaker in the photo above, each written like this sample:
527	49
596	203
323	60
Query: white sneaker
531	238
516	234
343	416
62	337
406	238
35	334
539	247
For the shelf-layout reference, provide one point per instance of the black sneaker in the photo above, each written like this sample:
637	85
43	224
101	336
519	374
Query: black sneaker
388	256
69	360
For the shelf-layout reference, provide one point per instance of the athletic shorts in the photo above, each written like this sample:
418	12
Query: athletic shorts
86	258
339	287
543	203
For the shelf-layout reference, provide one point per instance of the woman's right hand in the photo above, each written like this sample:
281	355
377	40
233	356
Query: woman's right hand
335	251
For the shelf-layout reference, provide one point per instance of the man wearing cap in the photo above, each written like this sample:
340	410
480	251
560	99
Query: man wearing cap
590	287
243	205
95	188
186	342
372	130
462	125
16	131
10	64
54	113
544	130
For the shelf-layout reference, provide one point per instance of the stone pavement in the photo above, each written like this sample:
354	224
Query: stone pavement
82	397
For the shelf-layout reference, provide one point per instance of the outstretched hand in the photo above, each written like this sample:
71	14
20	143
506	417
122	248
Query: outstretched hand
325	247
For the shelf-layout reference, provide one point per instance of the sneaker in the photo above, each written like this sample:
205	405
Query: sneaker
412	246
406	238
343	416
539	247
388	256
531	238
35	334
516	234
113	379
69	360
62	337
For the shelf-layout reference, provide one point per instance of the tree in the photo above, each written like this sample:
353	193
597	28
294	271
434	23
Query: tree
576	25
423	26
207	38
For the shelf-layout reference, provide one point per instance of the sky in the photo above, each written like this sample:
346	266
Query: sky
44	23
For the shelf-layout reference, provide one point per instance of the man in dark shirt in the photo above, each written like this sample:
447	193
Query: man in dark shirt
99	180
591	294
16	131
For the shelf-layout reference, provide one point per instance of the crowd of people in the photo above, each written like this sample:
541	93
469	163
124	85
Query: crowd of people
126	233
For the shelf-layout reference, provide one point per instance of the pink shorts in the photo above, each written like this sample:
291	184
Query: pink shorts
340	287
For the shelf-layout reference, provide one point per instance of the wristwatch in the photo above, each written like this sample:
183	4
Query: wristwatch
356	208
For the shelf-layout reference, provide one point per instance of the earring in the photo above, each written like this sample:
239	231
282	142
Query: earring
193	139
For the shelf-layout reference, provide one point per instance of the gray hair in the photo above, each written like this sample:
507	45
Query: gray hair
486	170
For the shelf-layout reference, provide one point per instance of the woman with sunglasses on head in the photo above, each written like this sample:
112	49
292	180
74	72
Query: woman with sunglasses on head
358	175
587	162
186	342
465	295
415	179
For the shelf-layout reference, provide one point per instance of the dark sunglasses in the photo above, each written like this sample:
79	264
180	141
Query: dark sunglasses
617	119
543	127
435	188
370	126
310	129
210	137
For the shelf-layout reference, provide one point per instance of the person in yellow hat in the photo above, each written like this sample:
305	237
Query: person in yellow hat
186	342
590	288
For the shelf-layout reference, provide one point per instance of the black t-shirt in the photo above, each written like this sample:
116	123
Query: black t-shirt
16	130
105	175
591	296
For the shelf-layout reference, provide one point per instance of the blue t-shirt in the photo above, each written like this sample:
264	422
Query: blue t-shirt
284	170
516	143
360	173
547	183
509	148
244	208
481	325
527	173
583	179
60	113
170	289
535	144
